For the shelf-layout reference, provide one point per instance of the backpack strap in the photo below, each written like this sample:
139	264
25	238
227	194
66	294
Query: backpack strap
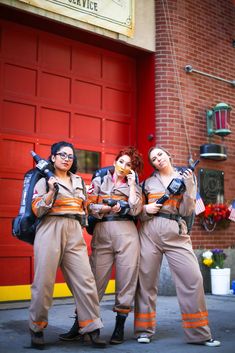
143	190
102	172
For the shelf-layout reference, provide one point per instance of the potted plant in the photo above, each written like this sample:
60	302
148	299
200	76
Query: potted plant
220	276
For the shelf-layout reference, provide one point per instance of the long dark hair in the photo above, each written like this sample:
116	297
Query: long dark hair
57	146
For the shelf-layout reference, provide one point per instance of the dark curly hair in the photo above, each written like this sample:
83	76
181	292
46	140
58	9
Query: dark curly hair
57	146
137	163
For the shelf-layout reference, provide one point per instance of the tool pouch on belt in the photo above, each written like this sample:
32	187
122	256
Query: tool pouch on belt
91	224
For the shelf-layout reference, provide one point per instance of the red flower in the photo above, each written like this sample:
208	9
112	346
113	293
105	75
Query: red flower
216	212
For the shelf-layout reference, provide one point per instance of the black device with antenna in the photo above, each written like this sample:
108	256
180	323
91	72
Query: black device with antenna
176	186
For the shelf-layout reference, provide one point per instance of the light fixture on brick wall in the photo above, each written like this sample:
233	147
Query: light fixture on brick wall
217	119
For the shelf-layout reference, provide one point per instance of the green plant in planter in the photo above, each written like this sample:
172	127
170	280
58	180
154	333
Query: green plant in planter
214	258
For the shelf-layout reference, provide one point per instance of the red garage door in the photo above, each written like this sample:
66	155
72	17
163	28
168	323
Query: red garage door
51	89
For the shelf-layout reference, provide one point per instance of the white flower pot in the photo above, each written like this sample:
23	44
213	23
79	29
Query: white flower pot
220	281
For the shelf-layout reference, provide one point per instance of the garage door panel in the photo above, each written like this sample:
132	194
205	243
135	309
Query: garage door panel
55	55
6	238
86	62
15	156
10	193
55	88
20	80
117	102
18	270
1	38
43	150
9	243
117	133
18	117
118	70
109	158
20	44
86	128
54	123
87	94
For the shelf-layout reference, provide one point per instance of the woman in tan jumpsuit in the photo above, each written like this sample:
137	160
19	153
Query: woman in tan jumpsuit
115	239
59	242
163	231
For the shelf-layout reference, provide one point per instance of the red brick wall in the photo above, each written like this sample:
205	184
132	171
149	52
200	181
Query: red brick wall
199	33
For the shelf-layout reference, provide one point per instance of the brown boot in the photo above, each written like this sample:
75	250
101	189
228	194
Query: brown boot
96	341
37	339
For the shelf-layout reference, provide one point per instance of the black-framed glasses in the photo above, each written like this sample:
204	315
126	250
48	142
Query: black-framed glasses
64	155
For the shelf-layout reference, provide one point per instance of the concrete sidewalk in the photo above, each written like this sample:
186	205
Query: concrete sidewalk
14	336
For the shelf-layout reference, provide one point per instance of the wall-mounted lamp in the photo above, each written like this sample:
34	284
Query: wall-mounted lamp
218	119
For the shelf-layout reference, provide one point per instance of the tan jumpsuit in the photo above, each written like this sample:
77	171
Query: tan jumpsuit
59	242
160	236
115	242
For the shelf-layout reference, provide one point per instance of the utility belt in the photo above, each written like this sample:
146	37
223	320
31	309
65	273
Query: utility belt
92	221
173	217
80	218
116	218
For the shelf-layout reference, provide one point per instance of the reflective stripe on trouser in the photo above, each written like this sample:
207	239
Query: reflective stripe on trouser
59	242
161	236
195	320
145	322
116	242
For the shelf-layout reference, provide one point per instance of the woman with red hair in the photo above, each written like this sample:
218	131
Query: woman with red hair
115	201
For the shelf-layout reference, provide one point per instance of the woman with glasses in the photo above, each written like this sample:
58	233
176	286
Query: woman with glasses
60	202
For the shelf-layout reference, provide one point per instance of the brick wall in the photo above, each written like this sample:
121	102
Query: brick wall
199	33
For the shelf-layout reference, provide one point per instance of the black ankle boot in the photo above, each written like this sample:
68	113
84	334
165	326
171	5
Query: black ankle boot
96	341
118	333
37	340
72	334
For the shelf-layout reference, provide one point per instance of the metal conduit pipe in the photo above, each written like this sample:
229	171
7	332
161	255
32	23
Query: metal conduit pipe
189	69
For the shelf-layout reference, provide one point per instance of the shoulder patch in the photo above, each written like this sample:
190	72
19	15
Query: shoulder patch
91	189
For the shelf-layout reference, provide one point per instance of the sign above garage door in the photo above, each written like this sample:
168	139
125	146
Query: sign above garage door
114	15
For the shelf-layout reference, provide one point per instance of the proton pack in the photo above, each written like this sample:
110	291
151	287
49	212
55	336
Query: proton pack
24	225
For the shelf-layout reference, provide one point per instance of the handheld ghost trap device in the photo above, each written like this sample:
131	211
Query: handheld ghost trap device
125	207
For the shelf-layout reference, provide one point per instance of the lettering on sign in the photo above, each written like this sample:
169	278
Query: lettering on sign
114	15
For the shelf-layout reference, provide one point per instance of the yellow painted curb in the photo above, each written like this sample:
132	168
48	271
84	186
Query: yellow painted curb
22	292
